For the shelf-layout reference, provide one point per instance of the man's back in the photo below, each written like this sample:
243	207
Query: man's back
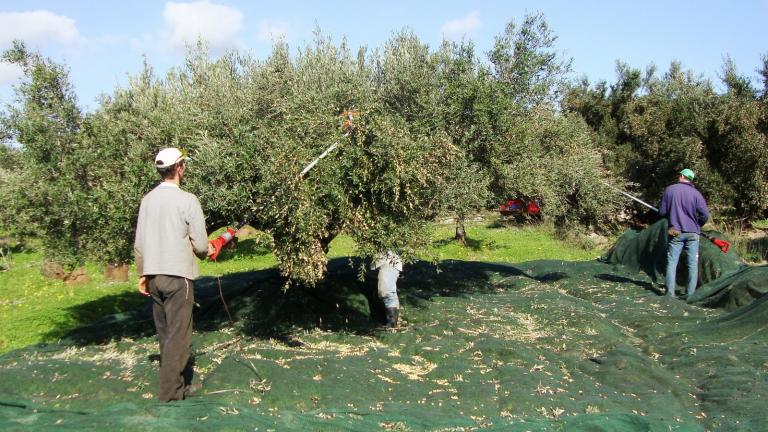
685	207
170	221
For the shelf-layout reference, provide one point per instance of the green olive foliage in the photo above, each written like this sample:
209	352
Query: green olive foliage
251	127
524	59
738	143
48	190
10	180
649	127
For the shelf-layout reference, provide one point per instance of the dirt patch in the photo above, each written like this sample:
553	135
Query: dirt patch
52	270
77	277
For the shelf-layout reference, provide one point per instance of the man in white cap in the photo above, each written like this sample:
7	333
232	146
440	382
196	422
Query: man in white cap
170	235
685	208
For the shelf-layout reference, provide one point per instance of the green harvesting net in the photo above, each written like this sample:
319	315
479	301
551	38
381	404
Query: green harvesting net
539	346
646	251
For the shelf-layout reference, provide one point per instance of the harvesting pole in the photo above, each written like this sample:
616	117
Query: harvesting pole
229	234
630	196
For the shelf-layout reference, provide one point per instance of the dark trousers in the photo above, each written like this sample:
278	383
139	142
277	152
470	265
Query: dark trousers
173	298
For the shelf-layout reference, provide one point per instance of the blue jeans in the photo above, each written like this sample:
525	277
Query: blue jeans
690	243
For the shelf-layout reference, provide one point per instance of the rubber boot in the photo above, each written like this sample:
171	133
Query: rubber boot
392	316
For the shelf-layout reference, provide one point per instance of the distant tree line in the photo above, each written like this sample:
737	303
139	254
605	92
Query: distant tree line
648	127
443	131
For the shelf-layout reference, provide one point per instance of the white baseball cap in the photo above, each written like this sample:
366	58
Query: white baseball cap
169	156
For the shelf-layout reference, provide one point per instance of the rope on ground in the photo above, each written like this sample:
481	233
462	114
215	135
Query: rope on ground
262	385
223	301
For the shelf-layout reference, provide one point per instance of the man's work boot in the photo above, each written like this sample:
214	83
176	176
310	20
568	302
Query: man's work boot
392	316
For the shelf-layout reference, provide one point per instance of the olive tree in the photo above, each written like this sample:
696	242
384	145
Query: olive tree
251	126
438	94
525	60
737	147
51	196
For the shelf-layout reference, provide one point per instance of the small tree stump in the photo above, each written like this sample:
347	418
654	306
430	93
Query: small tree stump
116	272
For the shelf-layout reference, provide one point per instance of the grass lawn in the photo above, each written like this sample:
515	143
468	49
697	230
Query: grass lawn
37	309
760	224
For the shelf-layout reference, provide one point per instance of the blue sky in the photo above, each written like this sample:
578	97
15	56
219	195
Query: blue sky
102	42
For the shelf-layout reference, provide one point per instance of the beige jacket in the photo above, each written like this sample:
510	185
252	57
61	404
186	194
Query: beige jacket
170	233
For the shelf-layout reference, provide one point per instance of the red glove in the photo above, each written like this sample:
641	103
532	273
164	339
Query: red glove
722	244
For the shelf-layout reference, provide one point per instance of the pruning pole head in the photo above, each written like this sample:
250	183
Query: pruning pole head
349	117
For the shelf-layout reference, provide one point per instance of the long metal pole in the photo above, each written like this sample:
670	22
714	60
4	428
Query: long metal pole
631	197
314	162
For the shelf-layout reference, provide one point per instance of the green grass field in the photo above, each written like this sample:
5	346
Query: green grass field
36	309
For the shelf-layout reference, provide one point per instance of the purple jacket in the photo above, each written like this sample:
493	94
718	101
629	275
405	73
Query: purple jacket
685	207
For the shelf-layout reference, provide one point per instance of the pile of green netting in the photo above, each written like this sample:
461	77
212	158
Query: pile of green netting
539	346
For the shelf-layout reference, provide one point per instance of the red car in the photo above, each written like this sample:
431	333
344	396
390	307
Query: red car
522	208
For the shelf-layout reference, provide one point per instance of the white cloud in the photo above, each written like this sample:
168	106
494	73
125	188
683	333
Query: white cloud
272	30
10	73
456	29
217	24
38	26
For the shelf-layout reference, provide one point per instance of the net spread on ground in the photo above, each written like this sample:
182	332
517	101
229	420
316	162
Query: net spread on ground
538	346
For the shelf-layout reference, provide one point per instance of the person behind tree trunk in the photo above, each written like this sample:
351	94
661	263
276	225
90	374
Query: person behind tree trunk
685	208
389	265
170	234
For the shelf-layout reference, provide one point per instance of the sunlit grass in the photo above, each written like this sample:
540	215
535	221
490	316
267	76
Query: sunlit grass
760	224
512	244
34	307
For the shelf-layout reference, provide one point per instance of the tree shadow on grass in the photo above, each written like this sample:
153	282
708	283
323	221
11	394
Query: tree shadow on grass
472	243
260	307
514	221
85	326
92	327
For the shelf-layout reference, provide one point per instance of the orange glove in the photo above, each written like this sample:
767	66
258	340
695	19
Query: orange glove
219	242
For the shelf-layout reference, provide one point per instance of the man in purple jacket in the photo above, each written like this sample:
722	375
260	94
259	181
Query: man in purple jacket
685	208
